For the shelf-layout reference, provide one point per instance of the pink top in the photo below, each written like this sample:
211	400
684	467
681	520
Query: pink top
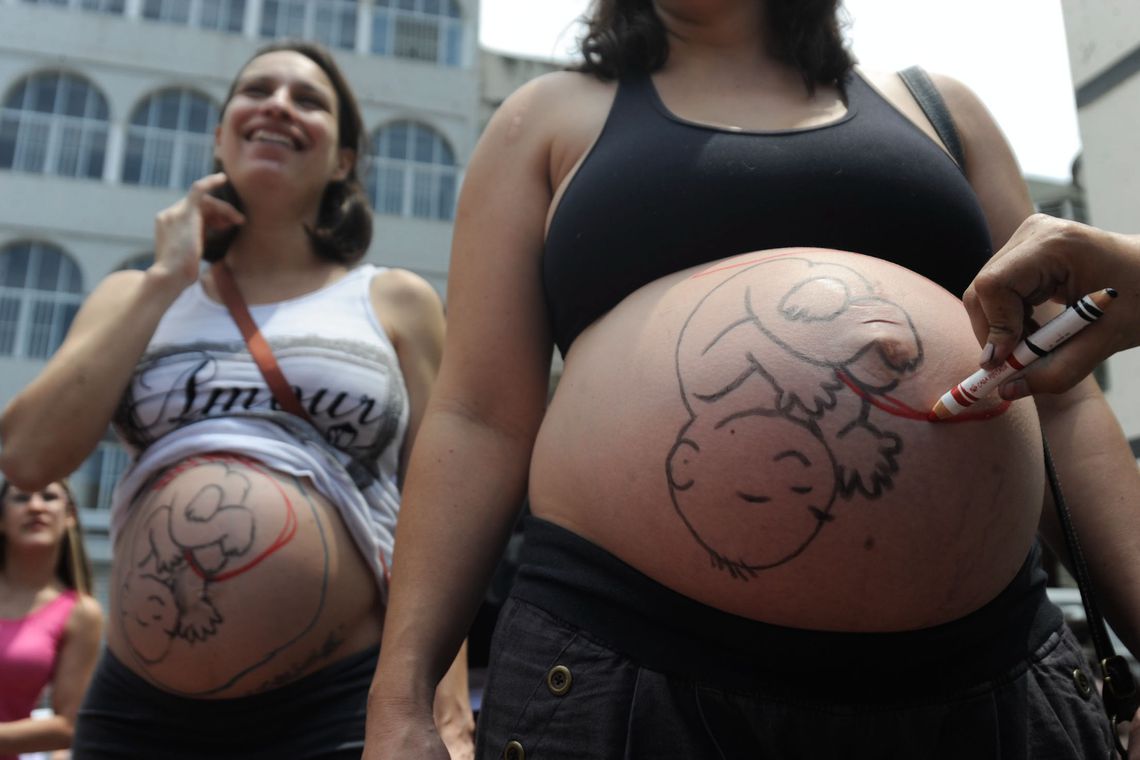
28	650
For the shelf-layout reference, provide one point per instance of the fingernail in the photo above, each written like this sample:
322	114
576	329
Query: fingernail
987	355
1014	390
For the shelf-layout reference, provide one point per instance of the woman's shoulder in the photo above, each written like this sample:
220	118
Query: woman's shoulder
552	103
409	309
86	613
401	285
555	85
960	99
403	300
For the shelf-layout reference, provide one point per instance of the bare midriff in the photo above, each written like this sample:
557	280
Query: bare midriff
754	435
232	579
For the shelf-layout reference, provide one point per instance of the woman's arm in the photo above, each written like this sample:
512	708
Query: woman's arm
412	314
54	423
74	665
1093	459
468	471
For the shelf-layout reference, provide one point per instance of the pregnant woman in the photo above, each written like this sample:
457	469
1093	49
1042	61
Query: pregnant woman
748	540
250	544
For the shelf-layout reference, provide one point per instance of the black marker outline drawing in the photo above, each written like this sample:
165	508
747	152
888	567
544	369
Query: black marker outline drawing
810	391
185	548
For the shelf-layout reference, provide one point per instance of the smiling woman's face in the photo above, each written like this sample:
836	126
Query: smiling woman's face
281	125
35	518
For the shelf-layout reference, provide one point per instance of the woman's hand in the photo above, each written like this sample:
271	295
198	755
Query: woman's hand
452	710
402	729
1060	260
83	383
180	230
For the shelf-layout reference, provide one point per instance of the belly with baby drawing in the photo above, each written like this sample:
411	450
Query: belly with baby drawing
230	578
754	434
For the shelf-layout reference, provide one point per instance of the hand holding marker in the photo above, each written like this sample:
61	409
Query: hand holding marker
1059	329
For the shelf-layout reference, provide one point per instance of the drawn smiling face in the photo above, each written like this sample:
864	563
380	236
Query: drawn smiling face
754	488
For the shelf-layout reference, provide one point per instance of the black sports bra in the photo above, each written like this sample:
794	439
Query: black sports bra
657	194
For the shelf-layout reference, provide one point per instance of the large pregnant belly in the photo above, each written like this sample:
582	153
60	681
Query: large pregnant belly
754	435
230	579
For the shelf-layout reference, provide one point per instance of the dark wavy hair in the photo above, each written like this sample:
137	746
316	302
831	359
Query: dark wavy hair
627	35
344	222
73	569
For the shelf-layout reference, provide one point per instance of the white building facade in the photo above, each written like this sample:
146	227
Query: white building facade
1104	55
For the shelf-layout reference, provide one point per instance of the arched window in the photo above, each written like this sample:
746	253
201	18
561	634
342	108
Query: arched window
424	30
40	292
329	22
218	15
101	6
170	142
54	123
411	172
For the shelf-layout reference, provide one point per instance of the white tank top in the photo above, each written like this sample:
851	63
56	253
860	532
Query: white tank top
329	345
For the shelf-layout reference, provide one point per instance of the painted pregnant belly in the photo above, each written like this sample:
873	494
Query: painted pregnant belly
793	370
213	572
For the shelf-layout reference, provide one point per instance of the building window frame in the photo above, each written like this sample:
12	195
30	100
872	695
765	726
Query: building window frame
170	150
109	7
419	30
226	16
95	480
333	23
41	290
411	171
42	138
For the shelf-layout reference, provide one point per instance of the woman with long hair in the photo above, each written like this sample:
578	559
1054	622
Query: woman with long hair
50	624
748	539
252	532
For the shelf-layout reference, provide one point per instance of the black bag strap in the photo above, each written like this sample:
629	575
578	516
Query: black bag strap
930	100
1120	696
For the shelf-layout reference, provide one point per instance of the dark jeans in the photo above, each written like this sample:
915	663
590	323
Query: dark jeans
319	716
593	660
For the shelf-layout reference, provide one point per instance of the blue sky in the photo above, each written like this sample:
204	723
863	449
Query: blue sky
1011	52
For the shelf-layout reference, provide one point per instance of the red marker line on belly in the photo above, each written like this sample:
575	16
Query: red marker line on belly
894	406
748	262
1056	331
288	531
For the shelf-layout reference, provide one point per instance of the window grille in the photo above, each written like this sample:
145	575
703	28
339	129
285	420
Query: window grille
54	123
170	141
94	481
423	30
329	22
411	172
40	293
100	6
216	15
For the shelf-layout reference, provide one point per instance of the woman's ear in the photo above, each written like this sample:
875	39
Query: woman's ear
345	160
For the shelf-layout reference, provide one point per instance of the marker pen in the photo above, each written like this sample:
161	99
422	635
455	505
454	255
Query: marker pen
1055	332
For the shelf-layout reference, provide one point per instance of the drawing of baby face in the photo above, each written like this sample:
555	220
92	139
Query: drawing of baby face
149	616
752	474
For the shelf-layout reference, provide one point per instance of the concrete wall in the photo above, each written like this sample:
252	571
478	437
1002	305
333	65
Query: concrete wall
1104	55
